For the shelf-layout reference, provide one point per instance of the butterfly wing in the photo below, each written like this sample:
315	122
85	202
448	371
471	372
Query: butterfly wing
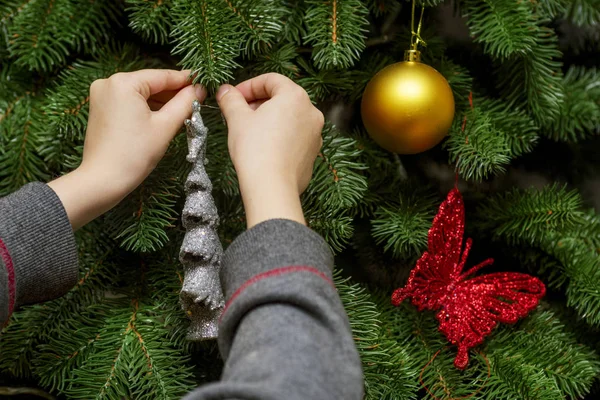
473	309
441	262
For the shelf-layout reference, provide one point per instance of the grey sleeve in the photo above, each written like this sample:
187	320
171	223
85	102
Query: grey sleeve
38	253
284	333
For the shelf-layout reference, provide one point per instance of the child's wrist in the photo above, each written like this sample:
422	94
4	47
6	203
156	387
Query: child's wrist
87	193
271	198
111	185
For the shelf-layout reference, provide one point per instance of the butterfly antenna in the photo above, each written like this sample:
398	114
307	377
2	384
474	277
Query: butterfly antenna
463	261
465	254
476	268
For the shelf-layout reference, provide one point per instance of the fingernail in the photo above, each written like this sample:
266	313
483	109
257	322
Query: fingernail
222	90
200	92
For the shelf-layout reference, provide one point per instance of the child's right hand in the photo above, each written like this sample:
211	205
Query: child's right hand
274	138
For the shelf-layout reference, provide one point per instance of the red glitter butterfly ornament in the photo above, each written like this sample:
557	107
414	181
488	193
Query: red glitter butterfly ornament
469	309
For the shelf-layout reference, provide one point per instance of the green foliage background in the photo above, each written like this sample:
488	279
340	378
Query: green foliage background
531	70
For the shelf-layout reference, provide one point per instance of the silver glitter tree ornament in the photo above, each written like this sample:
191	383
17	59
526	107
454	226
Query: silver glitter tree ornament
201	295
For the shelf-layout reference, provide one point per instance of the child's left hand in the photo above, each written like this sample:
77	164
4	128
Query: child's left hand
125	138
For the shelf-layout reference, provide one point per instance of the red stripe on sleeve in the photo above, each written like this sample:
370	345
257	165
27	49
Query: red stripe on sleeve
10	270
272	273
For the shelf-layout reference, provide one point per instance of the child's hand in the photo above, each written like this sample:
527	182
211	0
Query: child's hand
125	137
274	138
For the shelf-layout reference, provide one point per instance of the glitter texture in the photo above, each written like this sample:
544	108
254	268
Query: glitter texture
201	251
468	309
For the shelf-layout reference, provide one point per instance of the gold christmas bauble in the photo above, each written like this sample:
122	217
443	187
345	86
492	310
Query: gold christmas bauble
408	107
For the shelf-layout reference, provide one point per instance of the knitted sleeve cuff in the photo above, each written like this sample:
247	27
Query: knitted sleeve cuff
37	246
269	245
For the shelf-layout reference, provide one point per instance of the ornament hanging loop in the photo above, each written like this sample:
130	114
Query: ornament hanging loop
415	39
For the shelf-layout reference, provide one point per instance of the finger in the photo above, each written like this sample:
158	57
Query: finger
171	115
255	104
264	86
152	81
232	103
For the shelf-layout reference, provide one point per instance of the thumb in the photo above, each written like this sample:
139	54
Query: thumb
172	114
232	102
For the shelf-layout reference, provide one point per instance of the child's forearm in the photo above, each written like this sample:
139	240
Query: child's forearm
271	197
87	194
125	138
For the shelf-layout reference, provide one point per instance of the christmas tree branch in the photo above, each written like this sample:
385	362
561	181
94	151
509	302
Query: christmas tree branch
503	26
579	114
337	182
335	28
140	222
584	12
208	39
151	19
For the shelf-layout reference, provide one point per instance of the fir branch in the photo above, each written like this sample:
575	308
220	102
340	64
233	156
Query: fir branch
584	12
529	215
488	136
232	217
141	221
579	116
66	350
549	9
335	28
35	42
15	83
547	362
132	342
94	21
32	33
324	83
552	221
533	80
388	368
581	265
20	161
260	22
293	22
503	26
519	130
335	228
382	172
478	148
280	60
402	225
516	379
337	183
151	19
165	279
208	39
418	333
